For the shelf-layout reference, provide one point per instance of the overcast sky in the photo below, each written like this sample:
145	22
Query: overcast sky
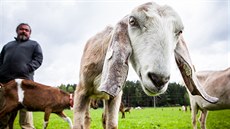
62	28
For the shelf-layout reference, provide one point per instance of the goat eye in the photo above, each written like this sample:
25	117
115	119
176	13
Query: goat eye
132	21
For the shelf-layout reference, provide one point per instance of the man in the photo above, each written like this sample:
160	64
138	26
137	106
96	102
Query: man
19	59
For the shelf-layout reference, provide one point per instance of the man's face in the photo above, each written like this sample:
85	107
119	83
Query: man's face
23	33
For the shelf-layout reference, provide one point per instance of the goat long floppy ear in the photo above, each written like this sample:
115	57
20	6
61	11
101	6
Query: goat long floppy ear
187	71
115	69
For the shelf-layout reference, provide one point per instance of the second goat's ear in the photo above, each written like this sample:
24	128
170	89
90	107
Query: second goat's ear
115	69
186	68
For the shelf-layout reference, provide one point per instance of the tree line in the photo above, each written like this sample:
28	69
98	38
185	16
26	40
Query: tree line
133	95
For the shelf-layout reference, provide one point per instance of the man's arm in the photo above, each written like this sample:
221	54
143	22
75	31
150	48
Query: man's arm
36	59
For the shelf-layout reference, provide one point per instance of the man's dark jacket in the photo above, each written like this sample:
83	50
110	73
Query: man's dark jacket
19	60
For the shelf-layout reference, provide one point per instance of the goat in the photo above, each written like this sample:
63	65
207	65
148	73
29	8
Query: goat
94	104
184	108
32	96
216	83
147	37
128	109
124	109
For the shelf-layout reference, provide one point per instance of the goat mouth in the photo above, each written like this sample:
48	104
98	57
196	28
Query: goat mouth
151	92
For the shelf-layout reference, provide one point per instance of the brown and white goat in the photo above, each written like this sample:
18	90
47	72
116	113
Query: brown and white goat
147	38
124	109
32	96
216	83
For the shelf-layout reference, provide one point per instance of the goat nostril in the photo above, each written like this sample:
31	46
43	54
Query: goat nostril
158	80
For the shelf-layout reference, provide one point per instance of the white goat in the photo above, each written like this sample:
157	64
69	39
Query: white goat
216	83
184	108
147	37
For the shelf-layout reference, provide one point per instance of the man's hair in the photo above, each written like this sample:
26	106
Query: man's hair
23	24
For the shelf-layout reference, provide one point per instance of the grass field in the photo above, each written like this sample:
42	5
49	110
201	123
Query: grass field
147	118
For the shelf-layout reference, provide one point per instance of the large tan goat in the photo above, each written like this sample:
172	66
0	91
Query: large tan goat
216	83
147	37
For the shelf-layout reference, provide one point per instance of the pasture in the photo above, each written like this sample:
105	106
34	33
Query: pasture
147	118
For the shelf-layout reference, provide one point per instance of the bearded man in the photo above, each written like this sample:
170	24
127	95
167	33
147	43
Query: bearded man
19	59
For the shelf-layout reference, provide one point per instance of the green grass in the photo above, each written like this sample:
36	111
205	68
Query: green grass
147	118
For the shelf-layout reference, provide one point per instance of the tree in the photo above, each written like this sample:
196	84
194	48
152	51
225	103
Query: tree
68	88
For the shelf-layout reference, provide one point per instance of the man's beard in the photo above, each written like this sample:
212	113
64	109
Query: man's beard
22	38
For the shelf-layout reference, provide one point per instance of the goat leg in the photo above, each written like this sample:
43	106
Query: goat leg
203	116
46	118
12	118
67	119
81	120
4	121
111	111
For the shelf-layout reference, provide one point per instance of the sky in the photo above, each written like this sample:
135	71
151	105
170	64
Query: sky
62	28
